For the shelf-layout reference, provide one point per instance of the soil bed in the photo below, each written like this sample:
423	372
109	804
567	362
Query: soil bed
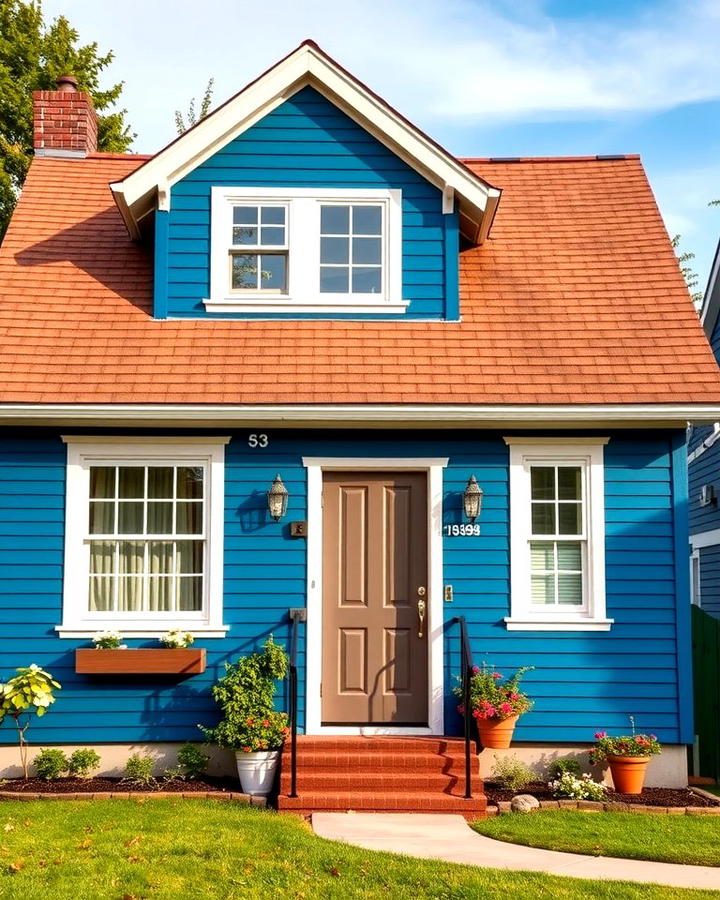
649	796
115	785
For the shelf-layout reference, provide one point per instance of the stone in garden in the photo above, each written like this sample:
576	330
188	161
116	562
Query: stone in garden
524	803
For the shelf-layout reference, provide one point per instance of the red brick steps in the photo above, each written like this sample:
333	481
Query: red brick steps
380	774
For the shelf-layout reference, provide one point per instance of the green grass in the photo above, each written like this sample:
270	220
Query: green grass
694	840
132	849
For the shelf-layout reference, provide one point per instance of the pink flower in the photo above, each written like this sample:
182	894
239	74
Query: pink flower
599	735
490	711
475	670
496	675
652	737
461	710
477	714
514	696
506	708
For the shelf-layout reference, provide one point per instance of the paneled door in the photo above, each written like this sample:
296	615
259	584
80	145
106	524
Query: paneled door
375	602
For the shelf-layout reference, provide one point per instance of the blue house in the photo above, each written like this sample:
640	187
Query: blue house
264	370
704	475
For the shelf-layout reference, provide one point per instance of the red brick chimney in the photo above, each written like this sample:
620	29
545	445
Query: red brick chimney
64	123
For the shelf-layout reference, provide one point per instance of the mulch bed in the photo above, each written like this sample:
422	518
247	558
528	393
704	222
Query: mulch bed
113	785
649	796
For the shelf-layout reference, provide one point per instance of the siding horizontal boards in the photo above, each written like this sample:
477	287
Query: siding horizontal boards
710	580
307	142
704	470
628	670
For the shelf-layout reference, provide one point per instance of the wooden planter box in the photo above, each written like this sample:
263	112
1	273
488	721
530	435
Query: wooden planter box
140	661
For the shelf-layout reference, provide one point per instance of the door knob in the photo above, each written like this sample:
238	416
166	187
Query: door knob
421	614
421	592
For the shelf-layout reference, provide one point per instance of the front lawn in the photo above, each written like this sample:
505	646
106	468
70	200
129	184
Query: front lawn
694	840
132	849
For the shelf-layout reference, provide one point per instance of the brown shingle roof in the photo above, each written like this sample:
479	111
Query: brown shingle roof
575	298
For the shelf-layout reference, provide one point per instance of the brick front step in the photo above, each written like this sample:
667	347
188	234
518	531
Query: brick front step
381	774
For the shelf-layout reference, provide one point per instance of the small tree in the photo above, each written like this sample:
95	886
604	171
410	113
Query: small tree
193	116
30	690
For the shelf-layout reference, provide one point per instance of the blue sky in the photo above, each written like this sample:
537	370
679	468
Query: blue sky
495	78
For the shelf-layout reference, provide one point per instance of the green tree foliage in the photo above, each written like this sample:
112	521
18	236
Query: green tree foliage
31	690
32	56
686	270
193	116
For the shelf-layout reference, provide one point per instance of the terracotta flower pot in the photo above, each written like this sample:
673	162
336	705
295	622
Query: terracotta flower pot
496	733
628	773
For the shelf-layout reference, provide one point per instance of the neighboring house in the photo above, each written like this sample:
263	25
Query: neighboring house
704	475
306	285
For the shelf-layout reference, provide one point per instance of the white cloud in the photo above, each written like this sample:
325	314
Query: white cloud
458	61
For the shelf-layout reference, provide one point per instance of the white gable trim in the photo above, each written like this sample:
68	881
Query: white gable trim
307	66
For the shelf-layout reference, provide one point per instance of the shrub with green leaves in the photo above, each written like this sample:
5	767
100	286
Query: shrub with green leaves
573	788
512	773
192	762
245	695
50	764
31	690
139	770
564	764
82	762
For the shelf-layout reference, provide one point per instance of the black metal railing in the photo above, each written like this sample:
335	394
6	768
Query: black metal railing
467	667
297	615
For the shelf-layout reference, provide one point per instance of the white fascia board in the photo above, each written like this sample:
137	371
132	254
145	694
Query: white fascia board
362	415
306	66
711	299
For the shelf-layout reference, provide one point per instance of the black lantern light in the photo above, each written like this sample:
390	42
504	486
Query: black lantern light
472	498
277	499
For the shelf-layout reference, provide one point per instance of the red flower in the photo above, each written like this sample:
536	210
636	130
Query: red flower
599	735
250	721
496	675
461	710
475	670
247	749
506	708
266	723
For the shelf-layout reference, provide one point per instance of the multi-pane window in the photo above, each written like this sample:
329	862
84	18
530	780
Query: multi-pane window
259	249
557	535
147	533
351	249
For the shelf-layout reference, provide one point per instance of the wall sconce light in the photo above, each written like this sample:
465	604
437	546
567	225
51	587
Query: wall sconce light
277	499
472	498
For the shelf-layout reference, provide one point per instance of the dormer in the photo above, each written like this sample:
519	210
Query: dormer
306	195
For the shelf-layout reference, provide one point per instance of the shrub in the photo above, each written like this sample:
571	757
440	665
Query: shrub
31	687
192	762
566	764
245	695
512	773
139	770
173	773
50	764
583	788
82	762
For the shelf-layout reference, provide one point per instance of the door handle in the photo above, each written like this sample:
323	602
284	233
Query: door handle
421	612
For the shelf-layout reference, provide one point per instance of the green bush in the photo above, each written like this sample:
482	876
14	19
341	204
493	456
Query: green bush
565	764
173	773
139	770
512	773
50	764
192	762
245	695
82	762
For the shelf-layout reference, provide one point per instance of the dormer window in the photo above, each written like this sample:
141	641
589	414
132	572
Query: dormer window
305	251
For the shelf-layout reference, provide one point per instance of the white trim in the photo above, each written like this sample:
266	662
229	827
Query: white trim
307	65
704	539
587	453
706	444
303	252
441	415
695	583
315	467
81	451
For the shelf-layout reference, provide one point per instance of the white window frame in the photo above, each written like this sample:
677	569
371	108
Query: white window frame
303	234
82	453
695	588
588	453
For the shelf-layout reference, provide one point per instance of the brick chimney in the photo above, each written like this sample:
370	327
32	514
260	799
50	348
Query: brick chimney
64	120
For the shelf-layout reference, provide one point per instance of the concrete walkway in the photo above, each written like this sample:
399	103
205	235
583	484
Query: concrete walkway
450	838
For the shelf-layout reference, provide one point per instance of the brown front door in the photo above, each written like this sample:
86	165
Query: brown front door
375	650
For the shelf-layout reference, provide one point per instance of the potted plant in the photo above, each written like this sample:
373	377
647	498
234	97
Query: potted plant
108	640
496	704
176	639
250	725
628	756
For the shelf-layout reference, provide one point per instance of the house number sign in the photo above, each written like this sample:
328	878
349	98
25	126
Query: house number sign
461	530
258	440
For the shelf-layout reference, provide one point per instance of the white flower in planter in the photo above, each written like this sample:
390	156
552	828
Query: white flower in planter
108	640
177	639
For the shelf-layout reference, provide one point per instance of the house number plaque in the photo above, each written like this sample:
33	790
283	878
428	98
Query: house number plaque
461	530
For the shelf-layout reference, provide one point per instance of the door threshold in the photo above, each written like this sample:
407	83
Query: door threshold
373	730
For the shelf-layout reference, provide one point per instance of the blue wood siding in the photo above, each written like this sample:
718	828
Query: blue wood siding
710	579
705	469
583	681
308	142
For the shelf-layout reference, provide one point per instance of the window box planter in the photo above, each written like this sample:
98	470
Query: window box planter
140	661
